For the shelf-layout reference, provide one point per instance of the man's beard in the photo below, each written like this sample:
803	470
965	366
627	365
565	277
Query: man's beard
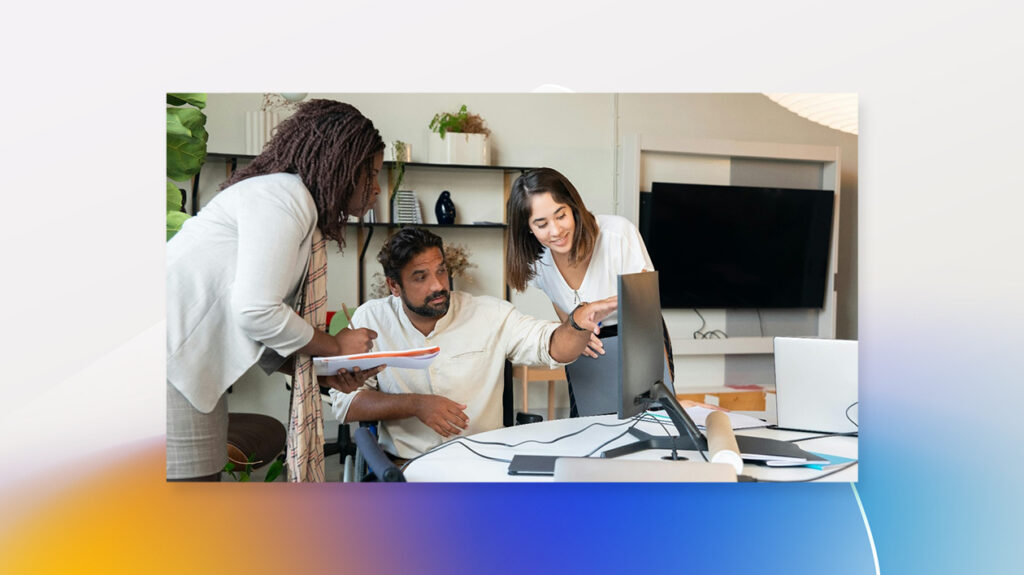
427	310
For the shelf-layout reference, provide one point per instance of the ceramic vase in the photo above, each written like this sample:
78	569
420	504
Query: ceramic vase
444	209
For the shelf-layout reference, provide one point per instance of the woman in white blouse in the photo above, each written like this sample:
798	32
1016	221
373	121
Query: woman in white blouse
236	269
558	246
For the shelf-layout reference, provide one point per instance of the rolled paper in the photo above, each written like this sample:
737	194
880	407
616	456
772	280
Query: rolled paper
722	441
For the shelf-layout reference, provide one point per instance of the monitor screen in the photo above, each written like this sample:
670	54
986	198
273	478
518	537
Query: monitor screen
739	246
641	344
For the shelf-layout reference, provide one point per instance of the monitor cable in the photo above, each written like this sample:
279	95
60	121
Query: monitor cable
701	334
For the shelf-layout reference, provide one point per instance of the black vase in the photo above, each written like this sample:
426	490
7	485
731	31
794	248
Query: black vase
444	209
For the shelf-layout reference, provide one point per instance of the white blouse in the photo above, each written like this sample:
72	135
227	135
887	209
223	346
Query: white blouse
619	249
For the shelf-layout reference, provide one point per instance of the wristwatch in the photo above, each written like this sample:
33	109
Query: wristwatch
572	321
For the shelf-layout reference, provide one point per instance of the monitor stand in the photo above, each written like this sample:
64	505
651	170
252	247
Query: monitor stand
647	441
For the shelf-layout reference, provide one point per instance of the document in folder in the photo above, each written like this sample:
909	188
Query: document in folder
420	358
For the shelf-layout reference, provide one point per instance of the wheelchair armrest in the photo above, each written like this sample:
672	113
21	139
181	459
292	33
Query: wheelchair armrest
376	460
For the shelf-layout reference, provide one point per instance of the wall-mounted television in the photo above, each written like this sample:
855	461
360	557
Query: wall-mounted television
738	246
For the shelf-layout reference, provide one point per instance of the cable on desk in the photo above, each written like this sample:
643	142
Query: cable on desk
550	441
846	434
815	478
514	445
636	421
456	441
848	414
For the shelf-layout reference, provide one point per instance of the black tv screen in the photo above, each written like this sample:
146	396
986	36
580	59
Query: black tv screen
738	246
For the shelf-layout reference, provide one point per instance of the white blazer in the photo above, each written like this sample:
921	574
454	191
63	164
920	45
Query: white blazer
233	273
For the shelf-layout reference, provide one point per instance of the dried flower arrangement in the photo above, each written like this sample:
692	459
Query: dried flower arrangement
277	103
456	257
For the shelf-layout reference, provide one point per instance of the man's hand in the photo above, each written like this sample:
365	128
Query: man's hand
355	340
595	347
441	414
347	382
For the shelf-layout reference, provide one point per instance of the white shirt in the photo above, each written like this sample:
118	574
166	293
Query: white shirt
619	249
476	336
232	273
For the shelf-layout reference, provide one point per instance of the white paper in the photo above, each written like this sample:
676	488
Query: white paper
420	358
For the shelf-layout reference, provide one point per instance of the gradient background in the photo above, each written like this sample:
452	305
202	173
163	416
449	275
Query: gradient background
941	234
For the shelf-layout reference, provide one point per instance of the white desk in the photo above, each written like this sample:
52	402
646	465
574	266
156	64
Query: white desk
456	463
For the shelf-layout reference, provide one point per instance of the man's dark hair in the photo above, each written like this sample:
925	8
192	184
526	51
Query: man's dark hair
330	146
403	247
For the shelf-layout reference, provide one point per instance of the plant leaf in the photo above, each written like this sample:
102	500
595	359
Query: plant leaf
186	142
274	470
174	222
174	197
177	99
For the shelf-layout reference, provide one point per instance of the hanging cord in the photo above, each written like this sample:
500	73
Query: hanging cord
701	334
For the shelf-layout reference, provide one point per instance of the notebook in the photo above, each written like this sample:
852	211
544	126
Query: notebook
816	384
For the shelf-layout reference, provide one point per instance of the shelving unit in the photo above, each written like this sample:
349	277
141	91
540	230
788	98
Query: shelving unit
508	175
365	229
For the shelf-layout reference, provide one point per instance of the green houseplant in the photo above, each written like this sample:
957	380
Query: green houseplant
461	122
186	151
473	147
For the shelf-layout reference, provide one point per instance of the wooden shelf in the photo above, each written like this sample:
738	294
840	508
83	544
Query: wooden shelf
399	225
732	345
229	156
459	166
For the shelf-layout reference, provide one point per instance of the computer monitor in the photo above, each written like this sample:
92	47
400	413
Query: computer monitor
641	368
642	364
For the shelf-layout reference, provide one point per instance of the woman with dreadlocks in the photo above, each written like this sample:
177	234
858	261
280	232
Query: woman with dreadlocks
246	285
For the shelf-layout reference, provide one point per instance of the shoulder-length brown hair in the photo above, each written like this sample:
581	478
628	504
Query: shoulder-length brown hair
523	249
330	145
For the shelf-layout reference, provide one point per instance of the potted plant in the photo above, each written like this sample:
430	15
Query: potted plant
186	151
463	138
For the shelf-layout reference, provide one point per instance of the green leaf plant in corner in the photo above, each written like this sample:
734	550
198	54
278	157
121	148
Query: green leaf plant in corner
186	151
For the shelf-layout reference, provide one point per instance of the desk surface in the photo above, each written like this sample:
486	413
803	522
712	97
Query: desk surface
456	463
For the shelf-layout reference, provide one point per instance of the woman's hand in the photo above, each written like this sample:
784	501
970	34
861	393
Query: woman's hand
355	340
348	381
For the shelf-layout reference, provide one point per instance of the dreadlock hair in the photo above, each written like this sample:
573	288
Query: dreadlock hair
330	145
523	249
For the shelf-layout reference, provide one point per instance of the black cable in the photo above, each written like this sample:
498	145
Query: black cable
815	478
760	322
456	441
848	414
675	452
511	445
636	421
549	441
700	330
849	434
701	334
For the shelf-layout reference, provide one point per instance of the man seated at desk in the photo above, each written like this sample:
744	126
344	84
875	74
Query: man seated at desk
461	391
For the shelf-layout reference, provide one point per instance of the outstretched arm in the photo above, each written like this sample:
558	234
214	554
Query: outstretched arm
568	342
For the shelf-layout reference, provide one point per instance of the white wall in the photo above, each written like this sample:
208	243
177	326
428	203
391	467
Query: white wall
578	134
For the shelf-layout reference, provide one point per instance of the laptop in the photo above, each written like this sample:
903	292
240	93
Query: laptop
816	384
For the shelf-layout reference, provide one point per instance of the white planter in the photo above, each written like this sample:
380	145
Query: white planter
455	148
